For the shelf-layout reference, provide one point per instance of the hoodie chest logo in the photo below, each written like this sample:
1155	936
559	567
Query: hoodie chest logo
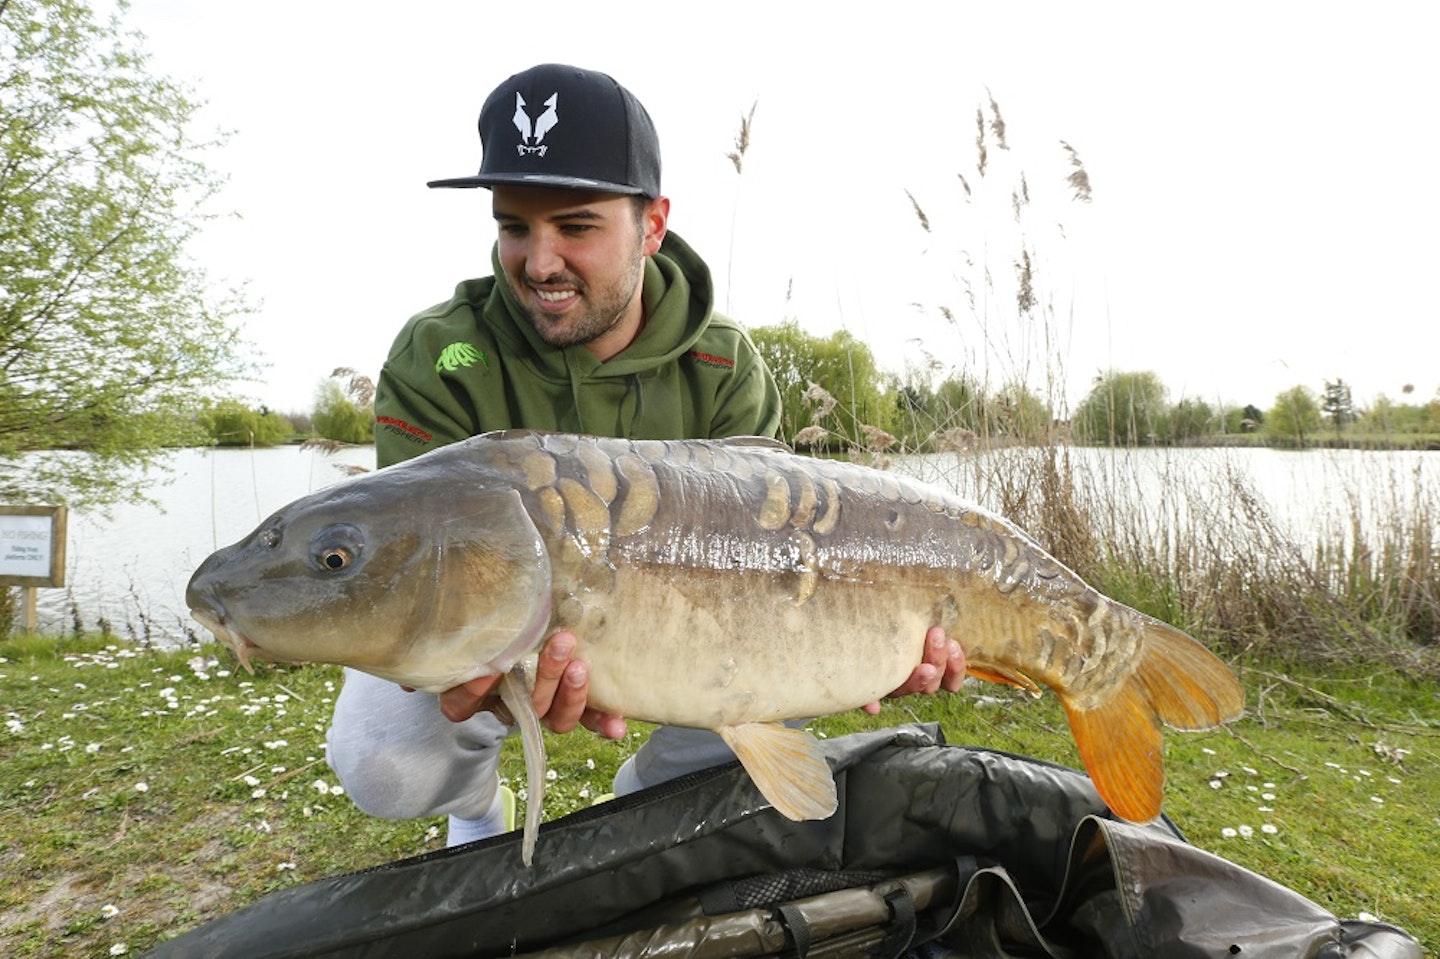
457	355
710	359
532	133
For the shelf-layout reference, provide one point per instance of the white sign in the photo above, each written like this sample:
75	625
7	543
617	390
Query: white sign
25	545
32	546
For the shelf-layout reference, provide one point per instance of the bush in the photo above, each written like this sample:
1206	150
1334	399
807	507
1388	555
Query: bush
230	423
339	418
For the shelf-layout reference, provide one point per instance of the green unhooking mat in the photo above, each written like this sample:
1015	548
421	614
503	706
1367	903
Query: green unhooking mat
935	851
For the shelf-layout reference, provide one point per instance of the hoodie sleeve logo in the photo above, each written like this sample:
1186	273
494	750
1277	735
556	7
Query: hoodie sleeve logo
457	355
533	135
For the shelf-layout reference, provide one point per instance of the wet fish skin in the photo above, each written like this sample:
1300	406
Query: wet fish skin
727	585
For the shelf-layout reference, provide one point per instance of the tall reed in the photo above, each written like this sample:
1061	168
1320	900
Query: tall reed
1186	535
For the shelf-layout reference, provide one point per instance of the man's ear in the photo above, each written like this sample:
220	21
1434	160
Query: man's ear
655	222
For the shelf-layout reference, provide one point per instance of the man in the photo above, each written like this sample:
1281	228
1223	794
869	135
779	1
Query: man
597	320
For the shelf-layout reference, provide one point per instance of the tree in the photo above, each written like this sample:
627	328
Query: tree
1387	416
1122	409
961	403
232	423
831	383
1337	403
1190	421
950	413
1294	417
345	408
110	337
1018	412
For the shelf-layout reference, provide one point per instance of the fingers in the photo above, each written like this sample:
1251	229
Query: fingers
461	702
604	724
942	667
954	668
557	680
567	706
560	694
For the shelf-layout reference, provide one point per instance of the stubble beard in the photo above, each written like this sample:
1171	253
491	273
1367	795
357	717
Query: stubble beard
601	310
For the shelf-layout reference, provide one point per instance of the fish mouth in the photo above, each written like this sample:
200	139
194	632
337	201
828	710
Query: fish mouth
238	642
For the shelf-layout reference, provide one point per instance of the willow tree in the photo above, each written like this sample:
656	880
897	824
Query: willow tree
110	335
829	383
1295	418
1123	409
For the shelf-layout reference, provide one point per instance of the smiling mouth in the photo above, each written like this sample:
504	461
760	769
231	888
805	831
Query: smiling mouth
555	301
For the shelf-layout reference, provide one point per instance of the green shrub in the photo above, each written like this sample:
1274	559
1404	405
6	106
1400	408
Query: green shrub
231	423
339	418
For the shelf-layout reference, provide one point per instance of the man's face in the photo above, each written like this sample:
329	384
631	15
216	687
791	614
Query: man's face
575	260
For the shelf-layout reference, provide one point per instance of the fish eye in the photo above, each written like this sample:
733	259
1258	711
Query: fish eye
336	548
335	558
269	538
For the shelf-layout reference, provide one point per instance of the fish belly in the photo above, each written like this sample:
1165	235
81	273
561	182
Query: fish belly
707	649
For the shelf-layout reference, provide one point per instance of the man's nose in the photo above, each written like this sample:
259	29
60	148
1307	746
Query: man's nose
543	259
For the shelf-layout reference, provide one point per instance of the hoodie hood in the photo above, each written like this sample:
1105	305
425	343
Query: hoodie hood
475	363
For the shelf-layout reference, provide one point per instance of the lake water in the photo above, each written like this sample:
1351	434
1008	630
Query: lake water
129	571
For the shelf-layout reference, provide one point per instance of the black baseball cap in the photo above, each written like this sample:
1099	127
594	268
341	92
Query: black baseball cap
561	126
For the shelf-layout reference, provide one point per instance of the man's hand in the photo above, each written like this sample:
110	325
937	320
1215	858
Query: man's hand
943	667
561	689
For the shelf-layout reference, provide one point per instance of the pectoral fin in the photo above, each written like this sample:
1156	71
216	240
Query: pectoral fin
515	694
787	767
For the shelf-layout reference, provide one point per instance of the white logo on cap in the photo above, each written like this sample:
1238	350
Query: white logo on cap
532	137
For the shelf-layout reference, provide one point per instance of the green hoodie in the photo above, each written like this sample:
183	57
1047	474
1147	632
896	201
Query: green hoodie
475	363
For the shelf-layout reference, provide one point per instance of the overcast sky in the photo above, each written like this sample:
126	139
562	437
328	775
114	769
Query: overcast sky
1265	200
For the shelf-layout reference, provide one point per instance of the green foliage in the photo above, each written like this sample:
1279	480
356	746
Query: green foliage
1295	417
1123	409
1017	412
960	401
231	423
948	414
1387	416
339	417
109	335
850	404
1190	421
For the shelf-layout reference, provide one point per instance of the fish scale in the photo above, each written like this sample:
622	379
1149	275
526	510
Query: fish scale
787	587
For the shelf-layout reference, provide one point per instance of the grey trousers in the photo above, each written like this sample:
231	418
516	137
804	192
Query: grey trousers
398	757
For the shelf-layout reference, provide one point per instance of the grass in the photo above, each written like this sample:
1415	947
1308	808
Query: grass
144	792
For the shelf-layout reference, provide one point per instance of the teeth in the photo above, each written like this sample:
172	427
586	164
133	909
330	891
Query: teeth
554	296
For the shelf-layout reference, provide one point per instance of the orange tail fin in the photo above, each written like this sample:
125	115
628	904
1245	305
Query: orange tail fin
1179	683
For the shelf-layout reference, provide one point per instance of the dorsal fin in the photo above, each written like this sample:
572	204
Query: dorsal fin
764	442
513	434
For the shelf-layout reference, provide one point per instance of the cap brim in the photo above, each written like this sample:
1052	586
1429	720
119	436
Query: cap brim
517	179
